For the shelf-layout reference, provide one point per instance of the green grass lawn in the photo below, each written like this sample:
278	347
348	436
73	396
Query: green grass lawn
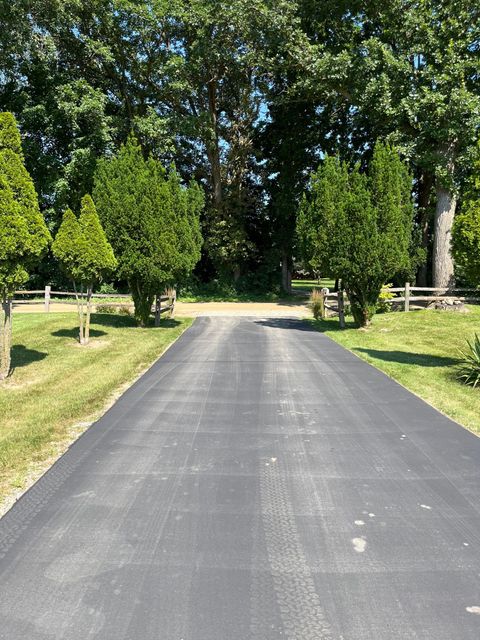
308	285
56	384
232	297
420	349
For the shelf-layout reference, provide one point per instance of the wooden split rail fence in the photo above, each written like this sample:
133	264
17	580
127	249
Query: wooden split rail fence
48	298
404	296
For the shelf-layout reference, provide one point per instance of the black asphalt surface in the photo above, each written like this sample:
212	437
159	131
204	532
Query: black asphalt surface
258	483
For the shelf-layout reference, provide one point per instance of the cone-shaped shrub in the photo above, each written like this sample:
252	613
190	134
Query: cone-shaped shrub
23	233
85	254
151	220
358	226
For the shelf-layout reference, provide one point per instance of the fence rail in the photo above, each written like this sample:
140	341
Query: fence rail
442	293
47	299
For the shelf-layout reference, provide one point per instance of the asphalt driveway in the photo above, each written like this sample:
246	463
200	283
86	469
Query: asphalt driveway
258	483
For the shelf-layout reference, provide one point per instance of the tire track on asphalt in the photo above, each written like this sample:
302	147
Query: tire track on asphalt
298	602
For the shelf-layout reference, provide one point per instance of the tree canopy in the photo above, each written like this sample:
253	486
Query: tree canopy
246	98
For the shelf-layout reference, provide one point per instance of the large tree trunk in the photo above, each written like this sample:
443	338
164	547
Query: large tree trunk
425	185
5	337
286	273
443	269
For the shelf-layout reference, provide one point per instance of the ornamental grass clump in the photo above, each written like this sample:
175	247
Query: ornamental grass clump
317	304
469	368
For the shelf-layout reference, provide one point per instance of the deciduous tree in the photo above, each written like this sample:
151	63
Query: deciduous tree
466	230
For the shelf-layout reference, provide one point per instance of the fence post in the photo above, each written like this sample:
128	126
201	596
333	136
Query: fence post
174	301
48	288
341	309
407	296
158	309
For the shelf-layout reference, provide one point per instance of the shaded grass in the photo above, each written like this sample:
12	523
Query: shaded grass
421	350
55	383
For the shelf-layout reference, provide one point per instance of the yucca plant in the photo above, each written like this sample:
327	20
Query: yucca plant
469	369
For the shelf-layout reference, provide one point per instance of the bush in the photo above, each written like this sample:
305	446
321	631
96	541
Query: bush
384	304
469	369
106	287
125	311
106	308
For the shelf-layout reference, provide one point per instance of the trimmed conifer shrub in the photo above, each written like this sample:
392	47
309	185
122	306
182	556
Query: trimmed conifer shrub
358	226
86	257
151	220
24	236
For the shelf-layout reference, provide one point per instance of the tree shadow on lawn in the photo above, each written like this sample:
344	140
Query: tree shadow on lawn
73	333
22	356
123	321
405	357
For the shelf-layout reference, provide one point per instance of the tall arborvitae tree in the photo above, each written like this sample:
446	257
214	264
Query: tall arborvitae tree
86	256
321	212
23	233
359	226
151	220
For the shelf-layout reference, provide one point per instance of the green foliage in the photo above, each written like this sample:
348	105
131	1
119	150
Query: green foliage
81	246
23	233
98	260
469	369
322	210
9	135
151	220
466	230
68	246
385	299
358	226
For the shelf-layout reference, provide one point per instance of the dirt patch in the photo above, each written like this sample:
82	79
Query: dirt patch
272	309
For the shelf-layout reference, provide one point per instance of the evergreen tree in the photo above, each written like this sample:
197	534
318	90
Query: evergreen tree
23	232
151	220
466	230
359	226
321	212
86	256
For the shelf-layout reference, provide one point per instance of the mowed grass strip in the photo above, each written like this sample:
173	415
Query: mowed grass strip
307	285
420	349
57	384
